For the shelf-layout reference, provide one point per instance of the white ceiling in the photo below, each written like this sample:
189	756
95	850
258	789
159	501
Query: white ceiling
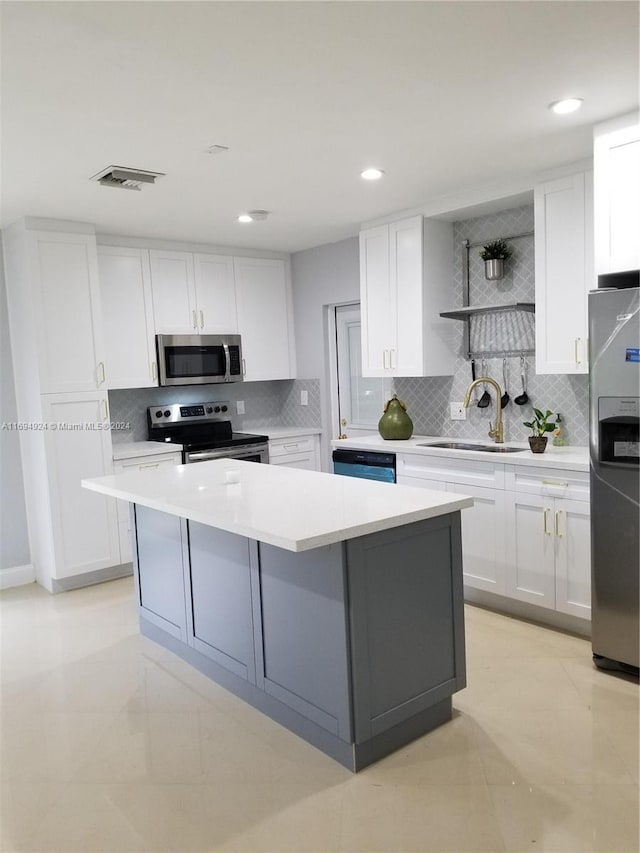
441	95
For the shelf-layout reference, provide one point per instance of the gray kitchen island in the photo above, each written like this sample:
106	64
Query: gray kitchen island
333	605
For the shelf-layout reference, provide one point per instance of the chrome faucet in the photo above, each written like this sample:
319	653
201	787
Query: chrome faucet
498	432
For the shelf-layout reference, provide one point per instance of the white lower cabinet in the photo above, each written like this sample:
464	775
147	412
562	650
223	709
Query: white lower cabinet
483	538
483	530
137	463
302	451
548	551
84	525
527	536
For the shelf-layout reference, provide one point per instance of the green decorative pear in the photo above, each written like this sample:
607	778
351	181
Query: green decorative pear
395	424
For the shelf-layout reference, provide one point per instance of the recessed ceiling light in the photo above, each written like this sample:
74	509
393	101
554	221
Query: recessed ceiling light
253	216
372	174
568	105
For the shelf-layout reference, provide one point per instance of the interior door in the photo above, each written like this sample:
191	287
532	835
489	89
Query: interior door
360	399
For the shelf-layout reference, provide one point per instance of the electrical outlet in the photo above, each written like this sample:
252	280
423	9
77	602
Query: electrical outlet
240	407
304	398
457	412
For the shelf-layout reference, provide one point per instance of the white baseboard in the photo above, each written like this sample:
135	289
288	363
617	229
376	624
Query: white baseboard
17	576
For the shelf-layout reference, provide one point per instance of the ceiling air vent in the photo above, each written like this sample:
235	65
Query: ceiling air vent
126	179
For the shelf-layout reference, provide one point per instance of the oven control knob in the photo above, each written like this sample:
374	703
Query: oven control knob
158	414
216	409
225	408
209	410
167	413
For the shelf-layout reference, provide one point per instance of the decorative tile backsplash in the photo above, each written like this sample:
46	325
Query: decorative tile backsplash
428	399
266	404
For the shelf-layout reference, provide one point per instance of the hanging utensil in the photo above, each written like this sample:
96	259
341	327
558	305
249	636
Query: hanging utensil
523	398
505	397
473	376
484	401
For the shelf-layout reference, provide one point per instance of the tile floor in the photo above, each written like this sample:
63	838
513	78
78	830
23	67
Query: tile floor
109	743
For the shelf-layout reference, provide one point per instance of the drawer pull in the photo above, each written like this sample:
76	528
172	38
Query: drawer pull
555	483
547	532
149	465
558	514
290	446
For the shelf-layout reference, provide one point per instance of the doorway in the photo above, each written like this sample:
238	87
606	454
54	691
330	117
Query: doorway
357	401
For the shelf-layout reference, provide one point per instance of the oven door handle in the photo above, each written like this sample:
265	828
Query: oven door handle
227	453
227	361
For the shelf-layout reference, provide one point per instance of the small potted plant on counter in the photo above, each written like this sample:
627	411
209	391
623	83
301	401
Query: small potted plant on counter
538	426
494	255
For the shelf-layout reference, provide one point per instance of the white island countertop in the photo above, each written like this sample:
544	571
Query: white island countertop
287	507
568	458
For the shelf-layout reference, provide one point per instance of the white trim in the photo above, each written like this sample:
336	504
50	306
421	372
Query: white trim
457	205
131	242
17	576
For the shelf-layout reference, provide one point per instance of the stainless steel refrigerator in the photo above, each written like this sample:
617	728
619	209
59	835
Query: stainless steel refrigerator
614	444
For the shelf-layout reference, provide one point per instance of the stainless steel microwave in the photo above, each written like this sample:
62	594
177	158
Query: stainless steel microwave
198	359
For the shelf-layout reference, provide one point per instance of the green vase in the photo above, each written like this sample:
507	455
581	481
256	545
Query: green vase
395	423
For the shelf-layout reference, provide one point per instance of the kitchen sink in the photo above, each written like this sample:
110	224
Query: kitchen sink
460	445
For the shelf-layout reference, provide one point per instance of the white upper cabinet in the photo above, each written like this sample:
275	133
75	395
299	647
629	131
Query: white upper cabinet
62	273
375	301
406	274
616	163
563	272
264	318
127	312
193	294
215	294
174	293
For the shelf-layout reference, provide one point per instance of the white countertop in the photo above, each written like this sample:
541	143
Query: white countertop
288	507
567	458
288	432
131	449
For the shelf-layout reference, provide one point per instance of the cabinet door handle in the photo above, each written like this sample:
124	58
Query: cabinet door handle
385	359
392	359
154	370
244	367
547	532
201	319
101	373
195	319
105	410
558	532
575	349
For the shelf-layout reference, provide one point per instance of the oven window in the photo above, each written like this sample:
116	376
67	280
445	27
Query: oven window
182	362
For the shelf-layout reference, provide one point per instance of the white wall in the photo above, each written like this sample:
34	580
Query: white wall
324	275
14	542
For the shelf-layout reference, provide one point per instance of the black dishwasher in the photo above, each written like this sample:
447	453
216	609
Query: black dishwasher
367	464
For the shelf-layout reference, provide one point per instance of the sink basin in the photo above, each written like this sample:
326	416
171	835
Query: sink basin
460	445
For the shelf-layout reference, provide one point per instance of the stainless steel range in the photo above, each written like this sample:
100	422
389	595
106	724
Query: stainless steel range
204	430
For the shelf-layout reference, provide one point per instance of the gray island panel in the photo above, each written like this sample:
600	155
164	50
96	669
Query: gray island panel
356	647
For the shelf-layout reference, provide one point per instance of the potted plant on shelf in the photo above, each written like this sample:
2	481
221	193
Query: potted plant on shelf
494	255
538	426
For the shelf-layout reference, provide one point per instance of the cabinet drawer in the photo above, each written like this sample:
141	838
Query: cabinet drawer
287	446
297	460
140	463
550	482
462	471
